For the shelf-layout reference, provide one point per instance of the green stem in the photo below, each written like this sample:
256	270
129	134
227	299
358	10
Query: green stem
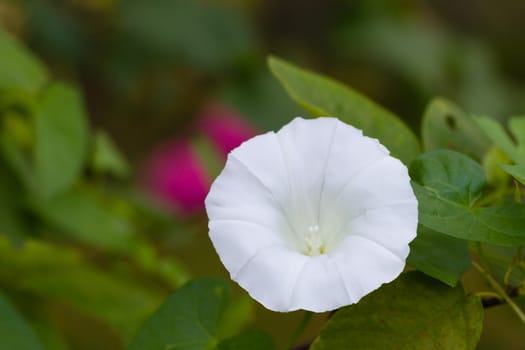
300	329
488	295
494	197
496	286
514	263
517	192
500	261
482	258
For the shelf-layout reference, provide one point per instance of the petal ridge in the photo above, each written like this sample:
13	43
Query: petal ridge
277	202
379	245
343	282
294	289
367	210
243	221
326	162
259	251
366	167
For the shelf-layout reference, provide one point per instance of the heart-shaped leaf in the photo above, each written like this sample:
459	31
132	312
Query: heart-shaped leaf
414	312
438	255
447	185
446	126
188	320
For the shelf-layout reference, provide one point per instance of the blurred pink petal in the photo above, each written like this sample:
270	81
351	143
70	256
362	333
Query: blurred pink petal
225	128
176	176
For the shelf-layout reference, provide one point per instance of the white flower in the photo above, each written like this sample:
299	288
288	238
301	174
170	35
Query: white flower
313	217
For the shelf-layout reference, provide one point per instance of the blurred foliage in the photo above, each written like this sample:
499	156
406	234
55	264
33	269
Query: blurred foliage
16	333
514	150
195	317
67	237
106	80
410	43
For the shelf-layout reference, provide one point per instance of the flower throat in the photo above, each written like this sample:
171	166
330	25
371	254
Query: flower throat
314	242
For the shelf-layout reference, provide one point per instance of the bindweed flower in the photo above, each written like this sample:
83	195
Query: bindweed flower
313	217
175	172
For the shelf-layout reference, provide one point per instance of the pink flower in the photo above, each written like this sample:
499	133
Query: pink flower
177	175
224	128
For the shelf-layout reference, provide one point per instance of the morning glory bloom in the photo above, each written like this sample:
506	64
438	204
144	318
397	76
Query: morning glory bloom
314	216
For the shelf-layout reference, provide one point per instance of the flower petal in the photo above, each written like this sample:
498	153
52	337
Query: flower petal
306	145
270	276
383	208
261	156
238	241
252	186
388	179
319	287
365	266
389	227
351	154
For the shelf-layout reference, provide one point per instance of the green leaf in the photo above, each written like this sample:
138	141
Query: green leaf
61	139
55	159
18	162
447	185
517	171
500	259
169	269
106	158
236	315
497	134
15	332
87	217
62	275
321	96
440	256
17	124
188	320
253	340
446	126
48	331
451	175
413	312
517	128
492	165
13	224
19	69
516	151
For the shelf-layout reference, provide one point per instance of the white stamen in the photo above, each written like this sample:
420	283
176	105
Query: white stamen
314	242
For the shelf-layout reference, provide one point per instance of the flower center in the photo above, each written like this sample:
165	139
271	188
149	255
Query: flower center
314	242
